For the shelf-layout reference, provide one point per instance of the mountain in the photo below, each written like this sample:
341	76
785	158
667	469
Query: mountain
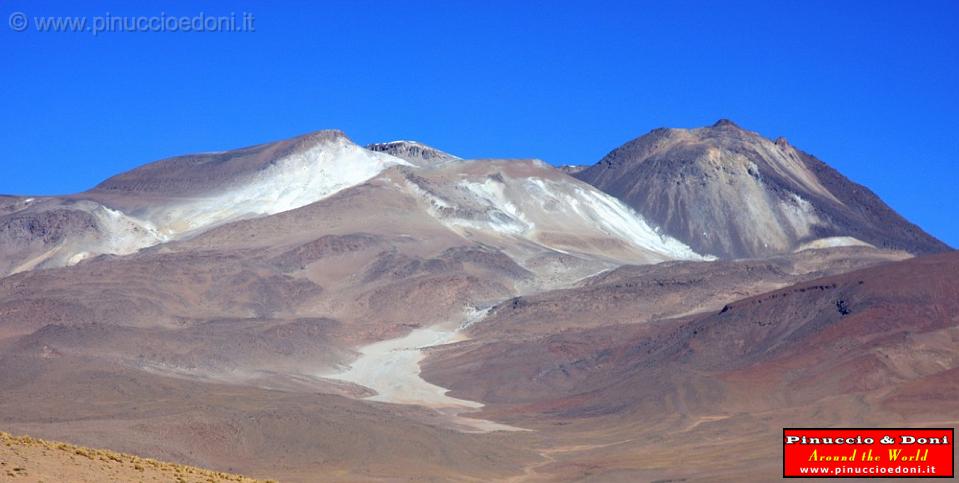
732	193
313	309
183	196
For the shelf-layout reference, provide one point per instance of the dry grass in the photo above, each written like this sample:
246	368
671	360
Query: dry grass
25	458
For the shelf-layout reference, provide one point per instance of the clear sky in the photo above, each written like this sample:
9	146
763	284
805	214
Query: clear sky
870	87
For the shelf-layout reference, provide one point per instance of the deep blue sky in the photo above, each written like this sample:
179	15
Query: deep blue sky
869	87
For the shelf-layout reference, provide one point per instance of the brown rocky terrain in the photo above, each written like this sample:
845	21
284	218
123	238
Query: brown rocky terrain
705	396
414	152
642	293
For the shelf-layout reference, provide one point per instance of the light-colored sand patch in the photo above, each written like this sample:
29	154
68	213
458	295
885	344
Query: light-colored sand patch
832	242
392	369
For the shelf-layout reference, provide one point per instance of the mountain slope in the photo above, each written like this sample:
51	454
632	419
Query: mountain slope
179	197
705	396
182	197
732	193
508	201
187	193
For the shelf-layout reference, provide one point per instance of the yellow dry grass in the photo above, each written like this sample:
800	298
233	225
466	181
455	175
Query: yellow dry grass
28	459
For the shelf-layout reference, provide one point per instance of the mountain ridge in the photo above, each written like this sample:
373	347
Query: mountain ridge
183	196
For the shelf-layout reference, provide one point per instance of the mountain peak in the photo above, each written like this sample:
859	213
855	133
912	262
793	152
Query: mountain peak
733	193
323	135
414	152
313	139
725	123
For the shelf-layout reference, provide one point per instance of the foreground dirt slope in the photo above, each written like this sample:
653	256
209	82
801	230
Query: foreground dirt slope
27	459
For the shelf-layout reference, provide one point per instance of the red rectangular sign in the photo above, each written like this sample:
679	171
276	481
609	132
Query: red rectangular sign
868	453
